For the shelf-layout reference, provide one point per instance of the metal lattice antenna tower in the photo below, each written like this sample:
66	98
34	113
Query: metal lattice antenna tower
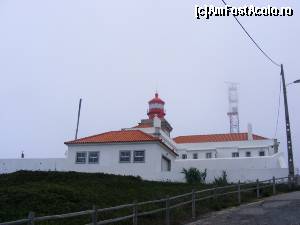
233	112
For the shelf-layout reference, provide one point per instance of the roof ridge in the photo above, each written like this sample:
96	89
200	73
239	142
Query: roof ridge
91	136
212	134
216	138
147	136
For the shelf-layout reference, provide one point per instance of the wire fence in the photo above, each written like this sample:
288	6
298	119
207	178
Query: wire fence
166	204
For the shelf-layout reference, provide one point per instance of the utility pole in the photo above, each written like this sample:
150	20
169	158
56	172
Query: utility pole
78	117
288	129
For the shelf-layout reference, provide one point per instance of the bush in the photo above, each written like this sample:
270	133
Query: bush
222	180
193	175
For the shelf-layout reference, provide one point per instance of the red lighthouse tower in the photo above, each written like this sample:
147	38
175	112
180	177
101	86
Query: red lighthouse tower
156	107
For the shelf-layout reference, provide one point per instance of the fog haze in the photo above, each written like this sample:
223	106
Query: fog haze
115	54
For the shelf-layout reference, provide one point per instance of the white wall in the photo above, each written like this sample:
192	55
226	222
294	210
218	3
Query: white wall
227	144
52	164
225	149
254	151
233	175
243	169
109	159
201	153
232	163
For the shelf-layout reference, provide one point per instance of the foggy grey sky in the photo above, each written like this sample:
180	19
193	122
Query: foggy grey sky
115	54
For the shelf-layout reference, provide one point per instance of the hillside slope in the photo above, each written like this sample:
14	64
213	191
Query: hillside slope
48	193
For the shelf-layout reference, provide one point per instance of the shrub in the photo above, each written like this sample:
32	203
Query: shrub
222	180
193	175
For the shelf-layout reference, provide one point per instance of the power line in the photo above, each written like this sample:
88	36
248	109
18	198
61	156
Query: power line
271	60
278	109
263	52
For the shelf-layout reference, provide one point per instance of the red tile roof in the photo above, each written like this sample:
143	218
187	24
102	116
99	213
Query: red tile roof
119	137
116	136
216	138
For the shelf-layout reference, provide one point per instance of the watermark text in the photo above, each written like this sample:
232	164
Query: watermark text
207	11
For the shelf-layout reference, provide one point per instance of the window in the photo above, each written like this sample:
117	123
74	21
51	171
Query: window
261	153
195	155
165	164
184	156
93	157
208	155
80	157
125	156
139	156
235	155
248	154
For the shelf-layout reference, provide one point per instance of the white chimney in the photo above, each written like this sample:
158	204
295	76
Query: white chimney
156	125
250	134
156	122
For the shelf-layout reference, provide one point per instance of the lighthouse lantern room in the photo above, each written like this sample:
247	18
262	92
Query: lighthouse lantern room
156	107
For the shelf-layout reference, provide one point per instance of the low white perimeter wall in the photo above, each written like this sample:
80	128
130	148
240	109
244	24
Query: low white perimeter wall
52	164
65	164
243	169
249	175
233	175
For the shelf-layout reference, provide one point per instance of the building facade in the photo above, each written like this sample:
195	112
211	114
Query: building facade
148	150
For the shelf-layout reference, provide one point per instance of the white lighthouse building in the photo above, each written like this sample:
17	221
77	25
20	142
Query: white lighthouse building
148	150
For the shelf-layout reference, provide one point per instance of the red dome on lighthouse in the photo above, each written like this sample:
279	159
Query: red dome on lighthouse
156	107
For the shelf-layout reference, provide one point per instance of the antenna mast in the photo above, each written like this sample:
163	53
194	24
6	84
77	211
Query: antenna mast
78	117
233	112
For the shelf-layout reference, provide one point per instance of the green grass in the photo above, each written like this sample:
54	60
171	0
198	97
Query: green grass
49	193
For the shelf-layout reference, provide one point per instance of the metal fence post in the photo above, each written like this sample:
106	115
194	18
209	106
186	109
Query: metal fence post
257	188
31	218
94	215
274	186
215	193
135	213
290	182
167	210
239	192
193	205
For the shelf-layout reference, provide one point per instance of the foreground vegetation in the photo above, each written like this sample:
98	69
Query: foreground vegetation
48	193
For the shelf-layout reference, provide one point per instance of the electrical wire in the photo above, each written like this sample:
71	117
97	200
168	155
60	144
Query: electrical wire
256	44
278	109
271	60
